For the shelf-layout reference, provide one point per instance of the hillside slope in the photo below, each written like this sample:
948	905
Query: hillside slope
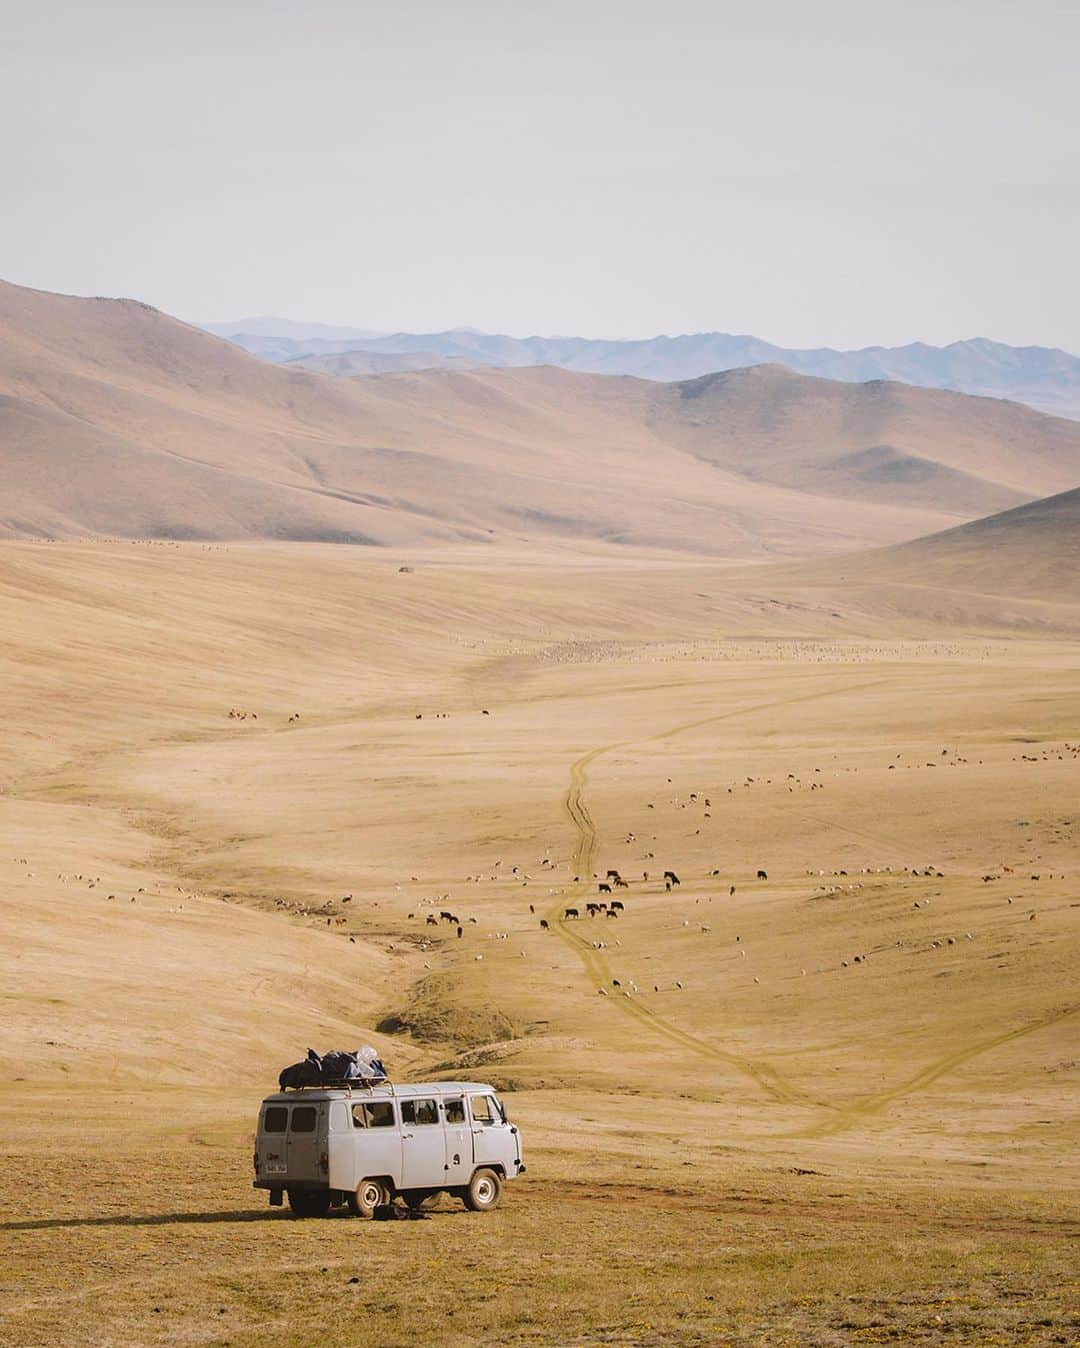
1032	550
375	362
116	419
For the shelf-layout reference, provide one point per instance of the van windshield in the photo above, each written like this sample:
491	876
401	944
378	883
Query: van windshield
486	1109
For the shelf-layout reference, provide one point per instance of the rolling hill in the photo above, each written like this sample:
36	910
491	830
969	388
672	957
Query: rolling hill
377	362
116	419
1032	550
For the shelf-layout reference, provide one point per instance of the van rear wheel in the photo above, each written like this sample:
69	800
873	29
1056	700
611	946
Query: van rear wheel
309	1202
370	1194
484	1191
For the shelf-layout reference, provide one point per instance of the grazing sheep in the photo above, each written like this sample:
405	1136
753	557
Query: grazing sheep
672	878
569	913
603	888
762	875
543	925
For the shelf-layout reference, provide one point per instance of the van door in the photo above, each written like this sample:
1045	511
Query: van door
423	1144
376	1145
340	1146
492	1142
458	1134
304	1143
272	1145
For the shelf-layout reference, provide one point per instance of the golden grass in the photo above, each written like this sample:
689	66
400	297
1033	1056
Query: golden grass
880	1151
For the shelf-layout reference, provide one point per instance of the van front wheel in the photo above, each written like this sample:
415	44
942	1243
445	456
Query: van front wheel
309	1202
370	1194
484	1191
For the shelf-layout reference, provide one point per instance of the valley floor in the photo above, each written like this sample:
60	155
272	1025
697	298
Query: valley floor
835	1104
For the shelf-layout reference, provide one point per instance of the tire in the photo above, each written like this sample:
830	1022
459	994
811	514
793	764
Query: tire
419	1200
370	1194
484	1192
309	1202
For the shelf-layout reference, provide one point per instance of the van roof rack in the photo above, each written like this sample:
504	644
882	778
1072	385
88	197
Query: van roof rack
362	1083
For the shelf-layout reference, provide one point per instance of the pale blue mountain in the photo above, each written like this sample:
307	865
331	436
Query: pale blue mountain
1046	378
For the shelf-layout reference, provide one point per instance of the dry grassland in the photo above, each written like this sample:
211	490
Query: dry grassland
837	1105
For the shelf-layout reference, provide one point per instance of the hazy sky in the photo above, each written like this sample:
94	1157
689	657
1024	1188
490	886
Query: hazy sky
814	173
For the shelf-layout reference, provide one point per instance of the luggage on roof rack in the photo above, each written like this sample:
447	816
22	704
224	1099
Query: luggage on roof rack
338	1067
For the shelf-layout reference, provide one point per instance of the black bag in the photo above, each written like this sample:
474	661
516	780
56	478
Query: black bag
337	1065
306	1073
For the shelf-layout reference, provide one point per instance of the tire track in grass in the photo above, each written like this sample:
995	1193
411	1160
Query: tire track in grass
870	1105
595	964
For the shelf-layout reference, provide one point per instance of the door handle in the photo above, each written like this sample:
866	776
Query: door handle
406	1134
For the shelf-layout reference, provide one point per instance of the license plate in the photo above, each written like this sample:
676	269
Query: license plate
275	1167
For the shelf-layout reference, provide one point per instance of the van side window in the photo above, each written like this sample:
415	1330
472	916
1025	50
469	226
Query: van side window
373	1114
275	1119
419	1111
303	1119
455	1111
484	1109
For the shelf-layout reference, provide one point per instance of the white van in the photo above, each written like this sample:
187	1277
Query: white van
363	1145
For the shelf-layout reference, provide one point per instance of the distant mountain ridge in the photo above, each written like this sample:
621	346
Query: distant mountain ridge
117	420
1046	378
